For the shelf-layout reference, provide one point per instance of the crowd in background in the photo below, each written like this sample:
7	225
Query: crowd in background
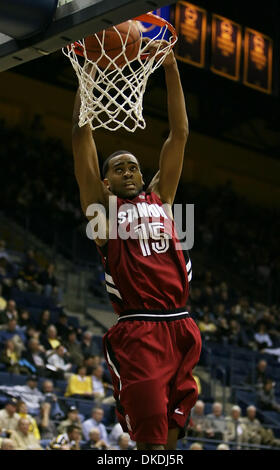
224	316
228	230
21	430
234	299
244	432
45	349
28	275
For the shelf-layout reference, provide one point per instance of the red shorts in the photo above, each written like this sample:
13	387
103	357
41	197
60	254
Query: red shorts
151	365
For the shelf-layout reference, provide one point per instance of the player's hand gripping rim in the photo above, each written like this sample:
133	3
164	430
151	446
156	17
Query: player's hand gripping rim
158	48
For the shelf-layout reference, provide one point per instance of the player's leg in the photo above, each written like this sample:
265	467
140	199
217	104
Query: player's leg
141	379
183	394
172	439
143	446
155	447
174	434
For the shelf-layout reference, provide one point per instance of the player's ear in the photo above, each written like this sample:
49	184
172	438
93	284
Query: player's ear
106	182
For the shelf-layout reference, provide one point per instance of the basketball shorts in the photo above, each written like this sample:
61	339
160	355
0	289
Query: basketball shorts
151	366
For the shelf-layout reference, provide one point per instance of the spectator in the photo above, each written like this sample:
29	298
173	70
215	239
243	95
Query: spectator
73	418
48	389
223	447
23	439
23	413
56	362
262	338
235	429
208	296
268	438
207	327
15	333
236	312
69	440
9	313
11	309
123	442
266	397
215	423
35	355
198	423
89	348
28	274
29	393
273	351
32	332
8	415
237	336
79	385
97	415
50	285
50	341
223	330
63	327
24	319
58	408
10	358
45	424
100	388
95	442
44	321
256	433
196	446
253	426
248	325
272	325
74	348
260	375
90	362
114	435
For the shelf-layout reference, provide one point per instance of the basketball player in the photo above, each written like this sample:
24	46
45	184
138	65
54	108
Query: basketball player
154	345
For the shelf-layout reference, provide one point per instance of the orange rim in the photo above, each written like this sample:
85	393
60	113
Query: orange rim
79	48
146	18
158	21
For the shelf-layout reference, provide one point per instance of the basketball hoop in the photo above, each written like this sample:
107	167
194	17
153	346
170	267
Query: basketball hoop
112	97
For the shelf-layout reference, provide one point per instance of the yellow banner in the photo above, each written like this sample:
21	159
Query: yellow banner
258	61
226	47
191	26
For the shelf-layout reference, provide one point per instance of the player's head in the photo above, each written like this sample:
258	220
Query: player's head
122	174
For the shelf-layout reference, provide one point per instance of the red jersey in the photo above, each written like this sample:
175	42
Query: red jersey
145	268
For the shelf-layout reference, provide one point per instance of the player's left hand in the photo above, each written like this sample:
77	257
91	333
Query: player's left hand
155	47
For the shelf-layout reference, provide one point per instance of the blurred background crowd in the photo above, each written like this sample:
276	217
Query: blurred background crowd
55	388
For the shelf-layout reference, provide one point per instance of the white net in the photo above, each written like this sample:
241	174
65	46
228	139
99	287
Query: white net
112	97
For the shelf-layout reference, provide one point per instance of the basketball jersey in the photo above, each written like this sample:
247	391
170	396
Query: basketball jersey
147	271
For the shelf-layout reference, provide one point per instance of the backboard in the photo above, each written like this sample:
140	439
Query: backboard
74	19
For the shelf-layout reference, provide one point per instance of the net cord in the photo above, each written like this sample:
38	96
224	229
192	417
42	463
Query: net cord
112	98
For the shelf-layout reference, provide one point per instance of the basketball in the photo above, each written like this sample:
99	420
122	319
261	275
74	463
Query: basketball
113	43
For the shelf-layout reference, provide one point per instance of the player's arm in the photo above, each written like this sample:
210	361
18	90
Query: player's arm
166	181
86	166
